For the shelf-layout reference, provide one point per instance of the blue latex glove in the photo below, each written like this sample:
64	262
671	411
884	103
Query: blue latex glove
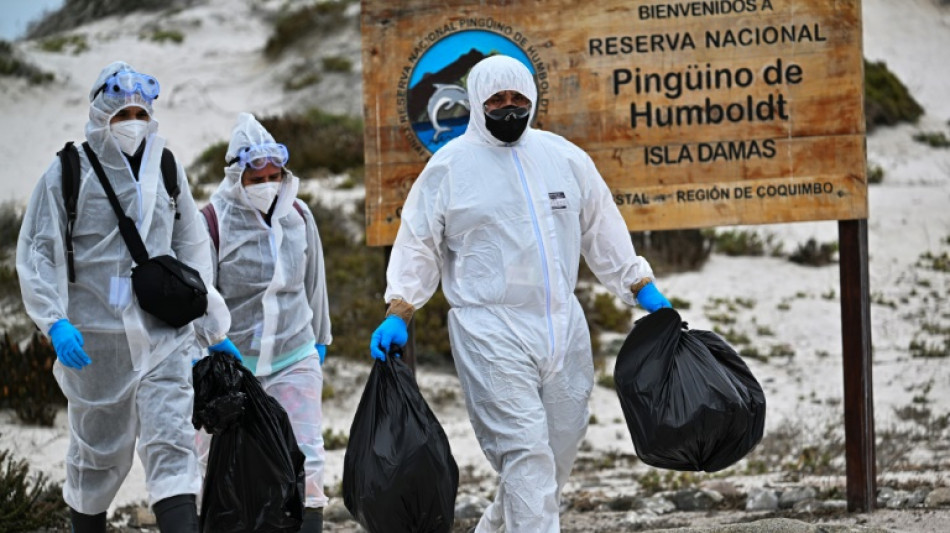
392	331
321	351
650	298
67	341
228	347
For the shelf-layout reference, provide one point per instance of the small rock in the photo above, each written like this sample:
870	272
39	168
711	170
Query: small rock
726	488
336	512
938	498
884	494
917	498
790	497
808	506
761	500
656	505
470	506
695	500
898	500
142	517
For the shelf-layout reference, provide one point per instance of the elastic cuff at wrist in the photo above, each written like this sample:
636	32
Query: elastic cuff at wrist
402	309
643	282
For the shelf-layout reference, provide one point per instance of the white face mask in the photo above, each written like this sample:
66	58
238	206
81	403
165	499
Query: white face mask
129	134
262	195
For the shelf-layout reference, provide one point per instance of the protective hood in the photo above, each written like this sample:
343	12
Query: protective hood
487	77
101	110
249	132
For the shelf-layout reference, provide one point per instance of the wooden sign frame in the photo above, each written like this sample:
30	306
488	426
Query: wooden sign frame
697	113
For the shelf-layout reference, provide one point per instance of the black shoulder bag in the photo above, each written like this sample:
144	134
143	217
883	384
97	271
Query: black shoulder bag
164	286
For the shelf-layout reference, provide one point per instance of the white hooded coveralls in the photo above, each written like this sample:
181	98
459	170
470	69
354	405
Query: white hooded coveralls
505	227
138	384
274	282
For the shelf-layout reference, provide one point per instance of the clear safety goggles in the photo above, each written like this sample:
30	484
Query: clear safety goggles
127	83
259	155
508	113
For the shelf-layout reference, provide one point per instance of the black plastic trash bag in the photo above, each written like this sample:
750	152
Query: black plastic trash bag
398	472
255	476
689	400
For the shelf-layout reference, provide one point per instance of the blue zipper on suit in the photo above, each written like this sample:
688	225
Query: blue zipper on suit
537	235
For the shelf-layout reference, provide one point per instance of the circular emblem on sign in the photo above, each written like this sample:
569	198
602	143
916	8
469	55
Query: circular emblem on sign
436	103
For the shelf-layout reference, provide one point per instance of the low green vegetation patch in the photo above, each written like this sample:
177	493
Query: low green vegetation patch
934	139
13	66
76	13
28	501
886	100
813	253
746	243
57	44
162	36
295	25
337	64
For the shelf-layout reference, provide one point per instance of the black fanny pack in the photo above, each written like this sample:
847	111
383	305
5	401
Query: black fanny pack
165	287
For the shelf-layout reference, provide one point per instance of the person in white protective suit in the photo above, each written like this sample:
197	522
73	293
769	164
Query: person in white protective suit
270	270
503	214
126	374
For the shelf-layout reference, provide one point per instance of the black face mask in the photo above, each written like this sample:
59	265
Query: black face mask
507	123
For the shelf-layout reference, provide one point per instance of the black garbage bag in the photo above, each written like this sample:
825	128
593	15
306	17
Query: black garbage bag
398	472
255	476
689	400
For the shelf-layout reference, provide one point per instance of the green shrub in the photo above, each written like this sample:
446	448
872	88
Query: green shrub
935	139
27	385
291	27
208	167
160	36
58	44
337	64
301	79
10	222
875	174
886	100
319	140
335	441
76	13
28	502
745	243
813	254
675	250
12	66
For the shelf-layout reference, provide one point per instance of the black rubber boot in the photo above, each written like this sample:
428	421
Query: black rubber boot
177	514
87	523
312	520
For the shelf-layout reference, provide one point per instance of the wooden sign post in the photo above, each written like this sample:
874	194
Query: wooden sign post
697	113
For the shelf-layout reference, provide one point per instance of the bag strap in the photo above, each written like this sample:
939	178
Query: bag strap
126	225
170	178
69	161
211	217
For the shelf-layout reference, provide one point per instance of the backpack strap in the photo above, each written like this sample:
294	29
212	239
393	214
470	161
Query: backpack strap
211	217
299	209
69	160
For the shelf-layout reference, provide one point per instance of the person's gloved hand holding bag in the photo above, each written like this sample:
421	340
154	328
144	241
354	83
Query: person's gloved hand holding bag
393	330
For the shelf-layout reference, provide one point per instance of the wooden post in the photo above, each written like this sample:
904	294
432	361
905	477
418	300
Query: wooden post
409	351
856	344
